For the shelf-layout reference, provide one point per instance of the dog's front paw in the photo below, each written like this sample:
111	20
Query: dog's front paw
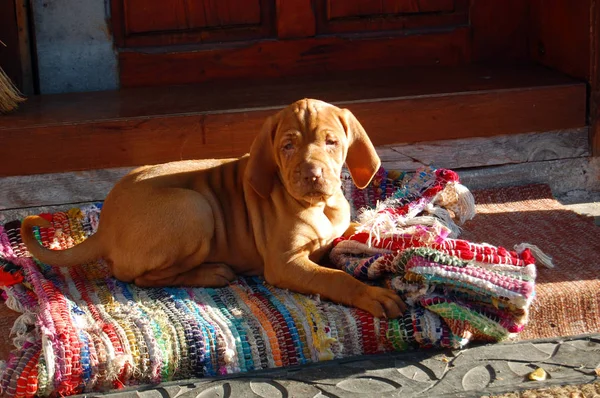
380	302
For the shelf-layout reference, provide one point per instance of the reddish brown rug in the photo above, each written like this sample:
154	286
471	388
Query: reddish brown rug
568	296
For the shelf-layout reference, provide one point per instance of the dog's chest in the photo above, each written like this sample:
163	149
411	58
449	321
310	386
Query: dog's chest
327	226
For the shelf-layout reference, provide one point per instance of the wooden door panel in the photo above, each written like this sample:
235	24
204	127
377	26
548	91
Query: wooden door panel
295	19
363	8
208	13
145	16
304	37
435	5
171	22
283	58
355	16
353	8
151	16
400	6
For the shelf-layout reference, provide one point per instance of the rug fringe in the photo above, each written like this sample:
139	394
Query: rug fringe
542	257
13	303
445	212
20	328
457	198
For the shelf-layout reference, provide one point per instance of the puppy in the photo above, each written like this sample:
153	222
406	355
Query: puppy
272	212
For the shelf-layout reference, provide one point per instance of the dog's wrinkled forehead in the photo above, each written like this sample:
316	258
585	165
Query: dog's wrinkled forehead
311	115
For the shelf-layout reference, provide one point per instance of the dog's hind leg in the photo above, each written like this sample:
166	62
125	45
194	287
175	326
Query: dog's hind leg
168	237
205	275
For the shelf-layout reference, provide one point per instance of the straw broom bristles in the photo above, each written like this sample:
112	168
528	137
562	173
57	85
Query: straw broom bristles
10	96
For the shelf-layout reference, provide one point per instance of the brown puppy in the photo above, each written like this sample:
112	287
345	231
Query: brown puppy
275	212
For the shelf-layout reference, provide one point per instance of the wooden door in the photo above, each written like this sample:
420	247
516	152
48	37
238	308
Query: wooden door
170	22
189	41
142	23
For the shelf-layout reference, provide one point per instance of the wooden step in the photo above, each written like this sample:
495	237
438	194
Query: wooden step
82	131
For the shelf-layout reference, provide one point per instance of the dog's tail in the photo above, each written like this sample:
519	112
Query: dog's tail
88	250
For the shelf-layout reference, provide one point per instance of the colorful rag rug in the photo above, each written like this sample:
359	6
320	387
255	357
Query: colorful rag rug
81	330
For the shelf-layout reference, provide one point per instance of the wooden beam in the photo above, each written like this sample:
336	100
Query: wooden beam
564	176
22	12
58	188
222	97
129	142
476	114
117	20
487	151
307	57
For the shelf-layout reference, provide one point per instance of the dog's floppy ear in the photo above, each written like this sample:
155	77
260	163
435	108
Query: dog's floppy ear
261	170
362	159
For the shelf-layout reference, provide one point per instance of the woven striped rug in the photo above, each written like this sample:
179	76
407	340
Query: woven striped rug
82	330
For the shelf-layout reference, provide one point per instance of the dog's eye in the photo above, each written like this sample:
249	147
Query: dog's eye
330	142
288	147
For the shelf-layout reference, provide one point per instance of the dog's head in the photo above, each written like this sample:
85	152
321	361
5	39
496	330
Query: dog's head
306	144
